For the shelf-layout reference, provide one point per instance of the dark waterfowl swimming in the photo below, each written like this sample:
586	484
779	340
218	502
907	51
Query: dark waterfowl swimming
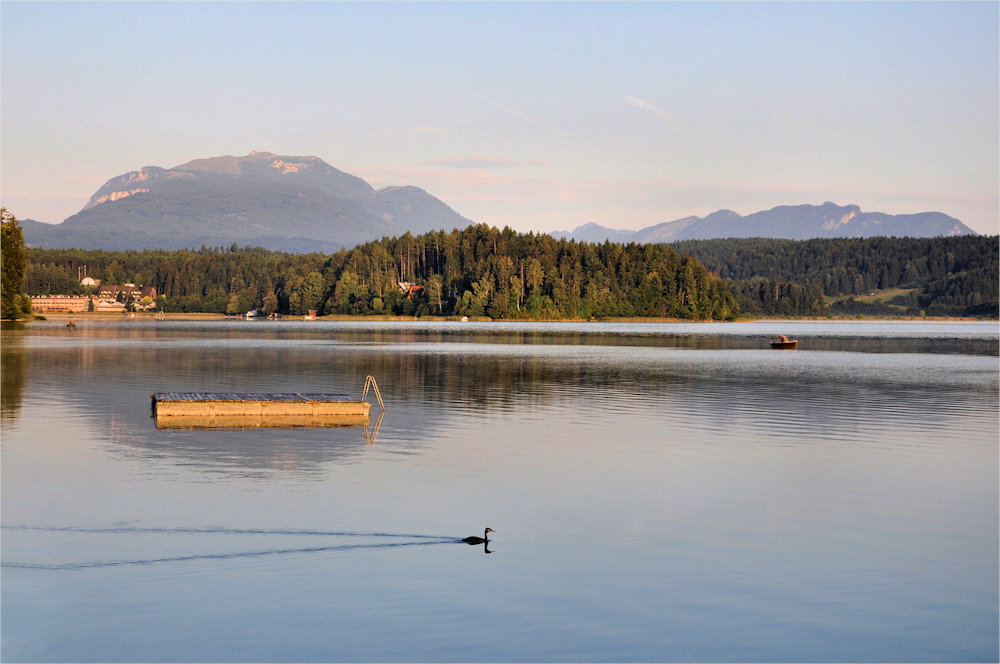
479	540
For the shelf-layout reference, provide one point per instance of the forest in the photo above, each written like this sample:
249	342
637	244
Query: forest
947	276
479	271
484	271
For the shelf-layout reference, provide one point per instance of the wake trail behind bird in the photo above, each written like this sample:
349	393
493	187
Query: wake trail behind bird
221	531
219	556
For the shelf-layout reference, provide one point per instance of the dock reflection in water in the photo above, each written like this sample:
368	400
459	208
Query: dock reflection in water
273	421
260	420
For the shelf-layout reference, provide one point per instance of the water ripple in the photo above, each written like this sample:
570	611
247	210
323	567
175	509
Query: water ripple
224	531
218	556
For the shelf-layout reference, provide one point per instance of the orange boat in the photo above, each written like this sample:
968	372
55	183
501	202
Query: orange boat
784	343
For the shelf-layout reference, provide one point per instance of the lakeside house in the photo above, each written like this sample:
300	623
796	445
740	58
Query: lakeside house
113	297
410	289
110	299
78	303
67	303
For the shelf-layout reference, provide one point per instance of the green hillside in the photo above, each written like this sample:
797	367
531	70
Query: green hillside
942	276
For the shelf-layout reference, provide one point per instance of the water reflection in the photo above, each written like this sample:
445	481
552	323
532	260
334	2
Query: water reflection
14	374
658	501
263	421
254	453
433	387
911	337
372	434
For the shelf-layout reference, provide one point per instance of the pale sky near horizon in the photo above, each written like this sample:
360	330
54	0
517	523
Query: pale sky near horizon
539	116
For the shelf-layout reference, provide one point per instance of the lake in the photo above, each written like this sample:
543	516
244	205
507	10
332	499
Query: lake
659	492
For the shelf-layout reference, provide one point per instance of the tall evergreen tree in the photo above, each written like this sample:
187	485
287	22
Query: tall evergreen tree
13	262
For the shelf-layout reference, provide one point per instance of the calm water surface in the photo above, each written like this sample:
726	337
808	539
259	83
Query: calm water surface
659	492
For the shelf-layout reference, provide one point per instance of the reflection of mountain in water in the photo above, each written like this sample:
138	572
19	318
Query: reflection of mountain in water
452	382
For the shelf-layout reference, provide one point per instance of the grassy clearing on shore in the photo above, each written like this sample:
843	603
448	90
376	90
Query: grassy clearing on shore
894	297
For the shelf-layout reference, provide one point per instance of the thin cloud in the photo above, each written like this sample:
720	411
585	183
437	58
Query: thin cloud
478	161
645	104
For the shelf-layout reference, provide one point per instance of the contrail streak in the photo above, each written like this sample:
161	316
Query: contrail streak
509	110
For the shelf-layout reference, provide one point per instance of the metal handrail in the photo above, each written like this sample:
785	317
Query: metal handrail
370	381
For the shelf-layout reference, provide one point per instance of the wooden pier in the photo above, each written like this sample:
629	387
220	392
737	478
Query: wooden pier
184	410
240	410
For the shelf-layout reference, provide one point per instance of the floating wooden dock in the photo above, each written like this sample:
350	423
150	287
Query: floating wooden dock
241	410
184	410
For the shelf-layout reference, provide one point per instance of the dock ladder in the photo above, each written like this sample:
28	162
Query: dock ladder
370	382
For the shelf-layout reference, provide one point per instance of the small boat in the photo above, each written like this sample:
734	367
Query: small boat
784	343
71	324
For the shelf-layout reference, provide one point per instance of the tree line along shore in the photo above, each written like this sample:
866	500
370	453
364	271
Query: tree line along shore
481	271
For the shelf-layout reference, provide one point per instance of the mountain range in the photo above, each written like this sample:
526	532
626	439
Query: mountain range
302	204
791	222
284	203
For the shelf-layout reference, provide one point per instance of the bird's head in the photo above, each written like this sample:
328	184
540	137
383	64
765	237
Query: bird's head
490	530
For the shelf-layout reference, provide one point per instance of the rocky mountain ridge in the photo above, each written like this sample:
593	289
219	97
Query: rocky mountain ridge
302	204
791	222
288	203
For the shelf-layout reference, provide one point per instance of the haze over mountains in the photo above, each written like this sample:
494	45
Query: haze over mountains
302	204
791	222
283	203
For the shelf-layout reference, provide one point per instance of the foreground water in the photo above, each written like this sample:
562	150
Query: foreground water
659	492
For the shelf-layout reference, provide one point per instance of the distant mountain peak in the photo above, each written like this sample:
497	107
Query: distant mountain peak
285	202
721	215
793	222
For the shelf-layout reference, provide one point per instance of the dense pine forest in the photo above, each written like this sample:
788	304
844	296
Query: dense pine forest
946	276
479	271
483	271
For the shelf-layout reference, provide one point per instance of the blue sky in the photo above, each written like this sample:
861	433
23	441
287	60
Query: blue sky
540	116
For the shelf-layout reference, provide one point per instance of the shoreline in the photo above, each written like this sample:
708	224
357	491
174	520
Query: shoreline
90	315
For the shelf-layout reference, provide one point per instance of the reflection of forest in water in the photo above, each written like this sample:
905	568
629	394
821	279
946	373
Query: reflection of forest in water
665	339
862	338
431	381
13	371
449	373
